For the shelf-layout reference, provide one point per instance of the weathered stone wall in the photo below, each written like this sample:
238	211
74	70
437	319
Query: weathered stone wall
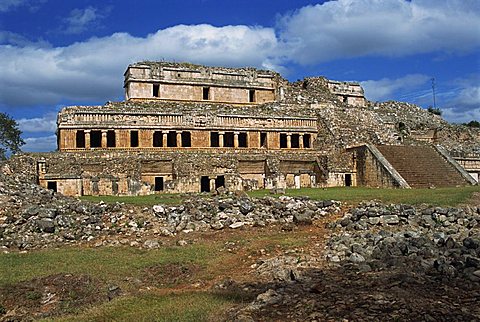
150	80
370	172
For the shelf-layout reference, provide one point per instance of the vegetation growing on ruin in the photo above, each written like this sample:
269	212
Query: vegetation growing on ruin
449	197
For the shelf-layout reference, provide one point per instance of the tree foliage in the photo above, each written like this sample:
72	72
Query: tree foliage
473	124
10	140
435	111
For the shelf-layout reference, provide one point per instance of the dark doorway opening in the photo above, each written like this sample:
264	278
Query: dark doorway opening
159	184
157	139
251	95
96	139
214	140
242	140
156	90
283	140
348	180
295	141
52	185
205	184
171	139
306	140
228	139
206	93
220	182
80	139
263	140
186	139
111	143
134	139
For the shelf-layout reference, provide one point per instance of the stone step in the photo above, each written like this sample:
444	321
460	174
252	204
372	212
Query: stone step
421	166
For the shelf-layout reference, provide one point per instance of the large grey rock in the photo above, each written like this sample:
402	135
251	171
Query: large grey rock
46	225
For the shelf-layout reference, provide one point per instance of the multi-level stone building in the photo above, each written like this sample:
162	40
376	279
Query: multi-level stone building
192	128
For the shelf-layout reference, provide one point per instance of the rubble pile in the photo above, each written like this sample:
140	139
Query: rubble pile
33	217
234	212
436	240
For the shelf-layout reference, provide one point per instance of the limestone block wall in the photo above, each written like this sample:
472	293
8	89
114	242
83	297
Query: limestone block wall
369	171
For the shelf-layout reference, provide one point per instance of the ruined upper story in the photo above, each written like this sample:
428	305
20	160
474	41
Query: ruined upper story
166	81
189	82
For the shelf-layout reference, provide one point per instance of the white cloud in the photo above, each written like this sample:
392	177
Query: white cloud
40	144
457	116
47	123
7	5
377	90
80	20
354	28
87	71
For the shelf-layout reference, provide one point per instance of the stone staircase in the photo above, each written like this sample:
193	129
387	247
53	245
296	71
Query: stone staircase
422	166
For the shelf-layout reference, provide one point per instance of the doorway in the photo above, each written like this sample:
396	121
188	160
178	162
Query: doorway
205	184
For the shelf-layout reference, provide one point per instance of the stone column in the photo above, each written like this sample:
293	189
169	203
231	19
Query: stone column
220	139
289	140
235	139
212	183
87	139
300	141
164	139
104	138
179	139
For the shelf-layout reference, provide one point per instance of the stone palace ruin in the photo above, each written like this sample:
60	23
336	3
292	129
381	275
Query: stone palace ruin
192	128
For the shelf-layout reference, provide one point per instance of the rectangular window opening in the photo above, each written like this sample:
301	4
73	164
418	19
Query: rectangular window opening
219	182
263	140
186	139
96	139
52	185
242	140
228	139
156	90
283	140
171	139
133	139
80	139
206	93
306	141
295	141
157	139
159	184
251	95
348	180
205	184
111	142
214	140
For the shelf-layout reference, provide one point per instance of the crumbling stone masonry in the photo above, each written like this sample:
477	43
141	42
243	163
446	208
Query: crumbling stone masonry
192	128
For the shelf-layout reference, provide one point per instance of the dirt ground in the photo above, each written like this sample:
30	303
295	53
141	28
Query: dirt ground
322	293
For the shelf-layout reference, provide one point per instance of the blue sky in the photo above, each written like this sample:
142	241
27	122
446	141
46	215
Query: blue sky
56	53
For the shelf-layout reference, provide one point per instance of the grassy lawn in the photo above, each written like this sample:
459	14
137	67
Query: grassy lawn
149	292
149	200
438	197
151	306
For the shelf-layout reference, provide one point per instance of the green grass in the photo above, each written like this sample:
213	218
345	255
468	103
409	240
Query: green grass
438	197
190	306
110	264
148	200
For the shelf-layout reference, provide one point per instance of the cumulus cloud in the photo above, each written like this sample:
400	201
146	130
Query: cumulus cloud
47	123
86	70
377	90
81	20
455	116
40	144
9	5
354	28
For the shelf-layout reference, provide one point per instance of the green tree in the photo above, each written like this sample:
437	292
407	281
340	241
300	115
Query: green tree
10	140
435	111
473	124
